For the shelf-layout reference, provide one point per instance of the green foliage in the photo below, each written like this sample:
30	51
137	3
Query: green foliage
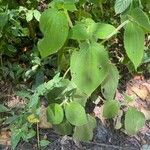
134	121
24	133
83	30
95	57
85	132
68	59
110	84
4	20
111	109
44	143
103	31
16	136
64	128
3	108
134	50
55	114
121	5
32	13
54	26
71	111
141	18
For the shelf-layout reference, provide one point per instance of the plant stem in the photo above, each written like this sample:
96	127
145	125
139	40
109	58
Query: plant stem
66	73
117	29
31	30
38	136
69	20
64	102
1	60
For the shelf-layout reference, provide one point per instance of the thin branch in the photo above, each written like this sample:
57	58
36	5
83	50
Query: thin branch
65	74
38	135
69	20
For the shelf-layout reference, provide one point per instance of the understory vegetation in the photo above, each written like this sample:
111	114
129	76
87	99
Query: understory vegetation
63	64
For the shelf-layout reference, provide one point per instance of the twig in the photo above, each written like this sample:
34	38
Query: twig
38	135
69	20
66	73
108	145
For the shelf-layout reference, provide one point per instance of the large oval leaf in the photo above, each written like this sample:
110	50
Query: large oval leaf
54	26
75	114
55	114
64	128
141	18
103	31
121	5
134	121
109	85
111	109
89	67
134	43
85	132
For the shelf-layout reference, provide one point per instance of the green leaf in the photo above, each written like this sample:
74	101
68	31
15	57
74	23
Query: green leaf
110	84
63	4
75	114
70	6
31	133
29	15
134	43
33	100
85	132
15	137
3	20
54	26
56	95
134	121
44	143
23	94
97	2
103	30
83	30
129	99
55	114
141	18
121	5
91	122
111	109
11	119
3	108
42	89
80	97
64	128
89	66
37	15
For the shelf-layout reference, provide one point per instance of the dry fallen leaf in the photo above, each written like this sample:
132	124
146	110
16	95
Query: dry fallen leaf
5	138
98	112
32	119
118	123
15	101
43	119
146	113
140	88
141	91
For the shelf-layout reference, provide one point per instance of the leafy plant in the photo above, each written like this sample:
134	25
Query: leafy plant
89	61
76	40
134	121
